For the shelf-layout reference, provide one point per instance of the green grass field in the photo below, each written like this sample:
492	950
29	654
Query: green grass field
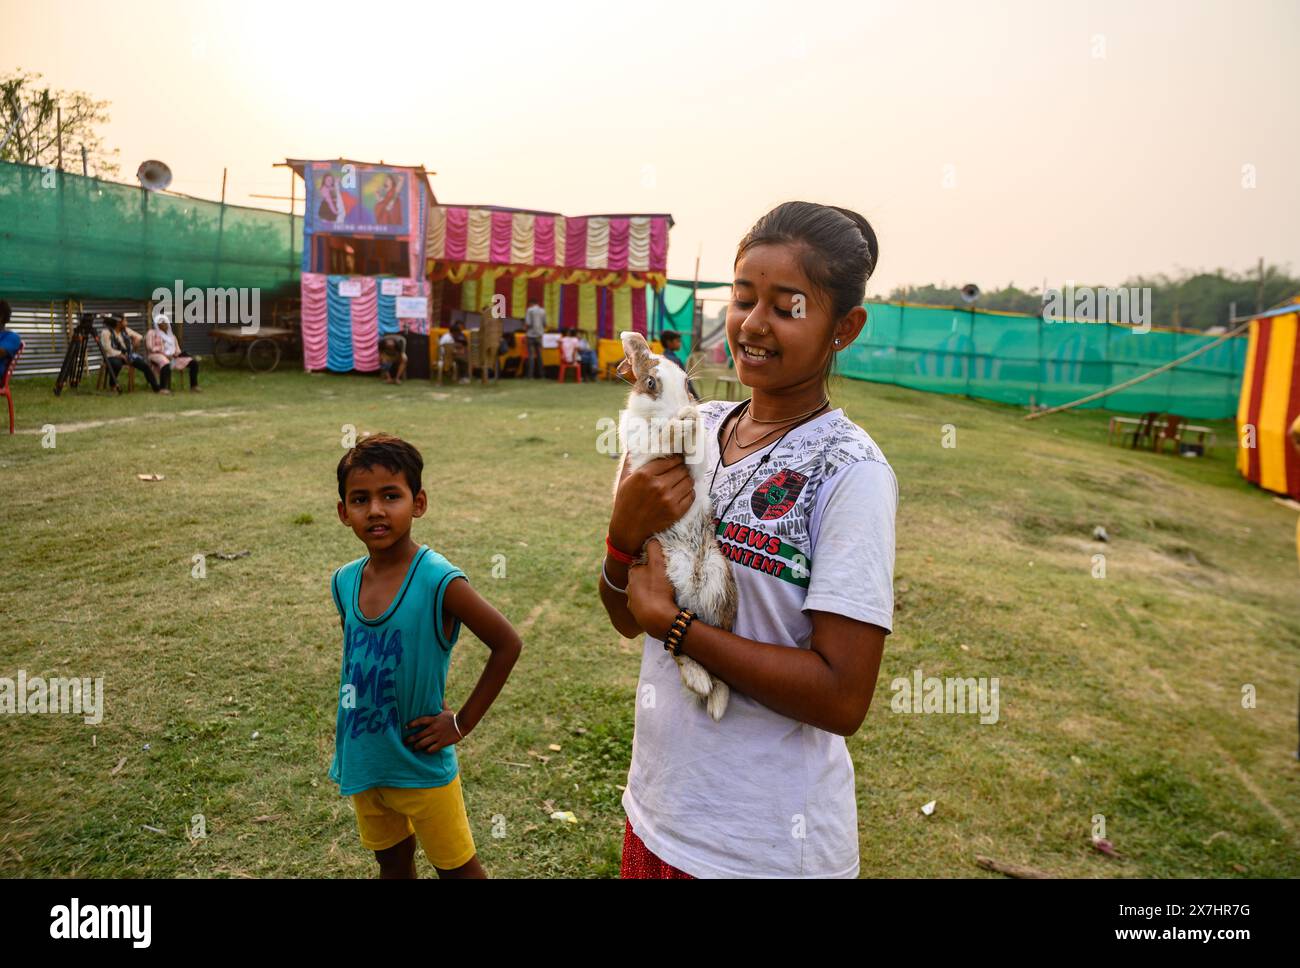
1120	696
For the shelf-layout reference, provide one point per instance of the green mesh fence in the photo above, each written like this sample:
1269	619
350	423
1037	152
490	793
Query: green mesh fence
63	235
1026	359
1021	359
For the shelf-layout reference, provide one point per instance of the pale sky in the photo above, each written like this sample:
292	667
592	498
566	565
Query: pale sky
1087	141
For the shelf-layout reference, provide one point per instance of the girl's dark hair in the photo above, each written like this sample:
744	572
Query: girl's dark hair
387	451
839	248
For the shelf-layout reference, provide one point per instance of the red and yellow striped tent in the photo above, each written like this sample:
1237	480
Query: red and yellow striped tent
1270	402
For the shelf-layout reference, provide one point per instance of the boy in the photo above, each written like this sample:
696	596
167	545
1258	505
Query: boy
671	341
392	358
401	608
10	342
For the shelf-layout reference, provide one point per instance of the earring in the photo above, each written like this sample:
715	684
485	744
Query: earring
837	342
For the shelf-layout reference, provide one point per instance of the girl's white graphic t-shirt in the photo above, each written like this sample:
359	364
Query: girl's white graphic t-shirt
759	794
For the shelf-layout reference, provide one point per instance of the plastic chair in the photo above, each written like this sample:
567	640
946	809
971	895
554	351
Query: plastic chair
1171	431
569	361
5	391
1144	431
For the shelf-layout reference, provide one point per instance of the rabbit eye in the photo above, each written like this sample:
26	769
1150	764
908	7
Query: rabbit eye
650	383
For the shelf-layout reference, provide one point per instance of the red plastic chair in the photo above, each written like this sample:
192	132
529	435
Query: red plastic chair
4	387
570	362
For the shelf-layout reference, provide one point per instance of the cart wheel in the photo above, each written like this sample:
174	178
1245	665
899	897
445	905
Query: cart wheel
227	352
263	355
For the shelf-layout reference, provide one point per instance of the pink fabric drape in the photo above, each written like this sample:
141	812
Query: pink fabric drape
575	242
618	229
544	240
658	245
499	247
315	313
365	327
638	309
457	234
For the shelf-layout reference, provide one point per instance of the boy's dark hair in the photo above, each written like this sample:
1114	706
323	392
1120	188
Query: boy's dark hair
5	313
670	336
388	452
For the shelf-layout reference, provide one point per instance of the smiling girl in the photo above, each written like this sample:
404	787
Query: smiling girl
804	503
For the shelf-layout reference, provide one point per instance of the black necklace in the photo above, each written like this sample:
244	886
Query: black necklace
761	461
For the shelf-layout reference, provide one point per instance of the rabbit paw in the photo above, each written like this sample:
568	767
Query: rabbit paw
716	704
694	677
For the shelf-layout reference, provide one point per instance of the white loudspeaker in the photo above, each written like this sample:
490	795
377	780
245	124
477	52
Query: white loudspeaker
154	175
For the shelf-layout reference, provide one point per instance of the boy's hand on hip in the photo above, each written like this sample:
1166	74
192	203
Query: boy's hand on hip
439	731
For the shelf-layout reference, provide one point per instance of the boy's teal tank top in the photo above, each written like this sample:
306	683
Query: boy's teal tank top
396	665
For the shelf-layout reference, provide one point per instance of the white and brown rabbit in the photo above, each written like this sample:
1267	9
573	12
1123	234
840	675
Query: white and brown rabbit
661	419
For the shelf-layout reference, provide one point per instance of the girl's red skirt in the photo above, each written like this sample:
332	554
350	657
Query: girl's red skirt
639	862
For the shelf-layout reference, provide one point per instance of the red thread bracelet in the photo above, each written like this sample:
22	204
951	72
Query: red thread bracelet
617	555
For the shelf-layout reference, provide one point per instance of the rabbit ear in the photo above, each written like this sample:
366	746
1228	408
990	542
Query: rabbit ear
637	351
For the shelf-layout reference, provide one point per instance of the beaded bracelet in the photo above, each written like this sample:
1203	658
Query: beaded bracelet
673	640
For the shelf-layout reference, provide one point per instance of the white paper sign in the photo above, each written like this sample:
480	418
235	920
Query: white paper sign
390	287
412	307
550	341
350	288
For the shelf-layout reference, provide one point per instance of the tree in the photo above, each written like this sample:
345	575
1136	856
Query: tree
33	118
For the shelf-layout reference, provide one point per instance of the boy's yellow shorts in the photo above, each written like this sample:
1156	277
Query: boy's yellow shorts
436	815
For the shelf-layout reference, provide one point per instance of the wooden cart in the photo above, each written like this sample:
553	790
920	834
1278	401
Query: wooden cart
261	350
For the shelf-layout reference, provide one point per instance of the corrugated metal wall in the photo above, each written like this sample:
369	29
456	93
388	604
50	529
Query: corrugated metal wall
44	328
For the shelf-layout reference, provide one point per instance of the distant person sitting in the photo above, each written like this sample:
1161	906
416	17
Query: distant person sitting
165	353
672	342
569	347
534	327
455	344
10	342
118	342
587	355
392	358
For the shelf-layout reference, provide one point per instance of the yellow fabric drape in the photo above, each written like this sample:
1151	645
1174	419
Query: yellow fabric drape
519	297
522	228
597	243
436	269
551	303
1248	379
622	310
1272	440
436	236
469	296
478	246
638	244
587	307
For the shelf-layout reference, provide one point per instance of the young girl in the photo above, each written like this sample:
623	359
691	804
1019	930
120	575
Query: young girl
805	505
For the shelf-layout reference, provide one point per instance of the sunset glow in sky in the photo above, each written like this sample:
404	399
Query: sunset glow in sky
1018	142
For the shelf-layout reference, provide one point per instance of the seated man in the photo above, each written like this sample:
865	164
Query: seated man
587	355
392	358
10	342
455	344
672	342
118	341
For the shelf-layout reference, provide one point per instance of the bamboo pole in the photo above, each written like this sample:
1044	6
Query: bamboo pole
1138	379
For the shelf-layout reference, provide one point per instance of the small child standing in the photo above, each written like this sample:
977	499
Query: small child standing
401	609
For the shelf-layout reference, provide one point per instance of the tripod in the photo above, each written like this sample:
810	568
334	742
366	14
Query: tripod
74	361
